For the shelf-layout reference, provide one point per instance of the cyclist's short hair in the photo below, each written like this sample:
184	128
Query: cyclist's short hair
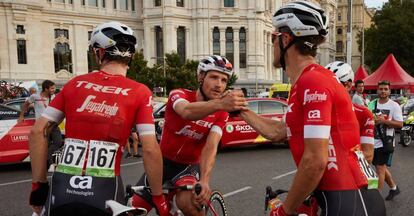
306	45
358	82
47	84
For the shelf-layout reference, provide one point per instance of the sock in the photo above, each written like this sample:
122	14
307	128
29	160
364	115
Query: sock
394	188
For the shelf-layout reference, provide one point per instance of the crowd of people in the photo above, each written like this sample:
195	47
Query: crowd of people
333	139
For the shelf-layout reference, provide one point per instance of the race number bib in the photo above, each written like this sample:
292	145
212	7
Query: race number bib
370	173
73	157
101	159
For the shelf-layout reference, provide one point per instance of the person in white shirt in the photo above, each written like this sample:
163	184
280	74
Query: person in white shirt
388	116
359	96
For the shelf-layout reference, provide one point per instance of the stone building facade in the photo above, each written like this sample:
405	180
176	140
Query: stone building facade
48	39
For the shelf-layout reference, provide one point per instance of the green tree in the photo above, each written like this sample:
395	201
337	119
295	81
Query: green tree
392	31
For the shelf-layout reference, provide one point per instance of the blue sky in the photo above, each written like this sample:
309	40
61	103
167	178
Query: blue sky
375	3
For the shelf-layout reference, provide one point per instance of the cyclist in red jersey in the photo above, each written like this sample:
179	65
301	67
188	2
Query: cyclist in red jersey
192	131
100	109
345	75
320	124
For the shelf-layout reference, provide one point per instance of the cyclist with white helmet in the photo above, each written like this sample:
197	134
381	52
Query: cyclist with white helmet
100	109
320	124
192	131
345	75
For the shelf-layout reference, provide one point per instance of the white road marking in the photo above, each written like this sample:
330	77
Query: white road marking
237	191
29	180
283	175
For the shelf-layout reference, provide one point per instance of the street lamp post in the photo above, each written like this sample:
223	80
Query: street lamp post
349	35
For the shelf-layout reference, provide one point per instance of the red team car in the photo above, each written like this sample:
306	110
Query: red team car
14	138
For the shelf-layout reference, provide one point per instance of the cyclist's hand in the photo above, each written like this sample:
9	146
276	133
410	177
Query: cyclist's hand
38	196
204	195
161	205
233	101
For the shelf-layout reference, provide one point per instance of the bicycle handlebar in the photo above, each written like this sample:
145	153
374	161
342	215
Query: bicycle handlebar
130	190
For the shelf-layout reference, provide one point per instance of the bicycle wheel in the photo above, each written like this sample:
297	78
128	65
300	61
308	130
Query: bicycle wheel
216	207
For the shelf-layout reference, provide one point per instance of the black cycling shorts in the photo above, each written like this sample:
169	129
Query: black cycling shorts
362	202
381	157
172	172
82	195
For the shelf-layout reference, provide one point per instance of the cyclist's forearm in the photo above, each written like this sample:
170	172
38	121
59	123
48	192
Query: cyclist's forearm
38	152
394	124
368	151
197	110
308	175
270	129
153	164
208	157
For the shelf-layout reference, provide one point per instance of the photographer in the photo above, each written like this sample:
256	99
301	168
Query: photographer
388	116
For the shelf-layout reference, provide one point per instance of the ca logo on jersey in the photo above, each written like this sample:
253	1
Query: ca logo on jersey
81	182
314	114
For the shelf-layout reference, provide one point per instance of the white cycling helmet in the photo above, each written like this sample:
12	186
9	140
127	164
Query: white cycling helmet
216	63
302	18
108	35
342	70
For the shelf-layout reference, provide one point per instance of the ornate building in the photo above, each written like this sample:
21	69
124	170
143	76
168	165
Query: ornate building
361	19
48	39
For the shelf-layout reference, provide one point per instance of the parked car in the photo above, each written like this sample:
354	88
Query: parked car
237	132
14	137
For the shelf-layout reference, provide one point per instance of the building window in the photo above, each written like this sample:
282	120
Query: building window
62	52
21	52
20	29
339	46
103	3
339	31
61	33
229	45
157	3
159	45
242	44
123	4
180	3
181	43
133	5
216	41
114	4
93	3
92	65
339	16
60	1
228	3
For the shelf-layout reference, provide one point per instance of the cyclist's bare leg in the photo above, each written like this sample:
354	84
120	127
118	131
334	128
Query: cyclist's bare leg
381	175
185	202
388	178
135	142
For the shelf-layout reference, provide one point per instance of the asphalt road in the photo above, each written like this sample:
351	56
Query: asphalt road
241	174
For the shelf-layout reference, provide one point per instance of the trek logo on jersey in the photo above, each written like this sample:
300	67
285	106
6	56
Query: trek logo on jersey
314	114
203	123
98	107
81	182
313	97
103	89
186	131
369	122
332	156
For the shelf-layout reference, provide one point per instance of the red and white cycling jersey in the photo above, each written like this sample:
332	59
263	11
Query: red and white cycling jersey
320	107
103	107
366	124
183	140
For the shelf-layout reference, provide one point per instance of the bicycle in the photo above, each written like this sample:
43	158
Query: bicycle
309	206
215	206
